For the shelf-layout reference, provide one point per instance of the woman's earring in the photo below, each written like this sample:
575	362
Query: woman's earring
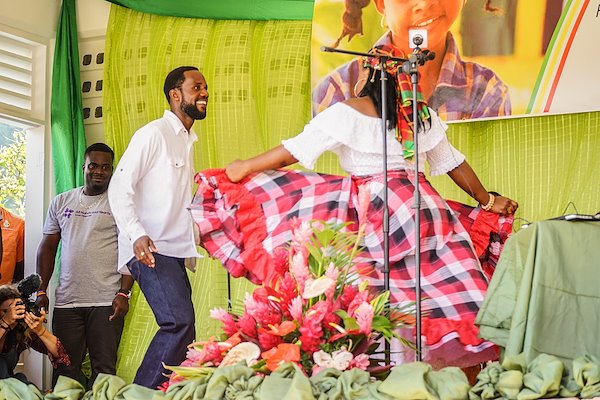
356	86
382	22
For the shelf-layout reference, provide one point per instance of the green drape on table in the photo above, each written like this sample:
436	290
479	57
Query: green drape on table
259	87
68	134
262	10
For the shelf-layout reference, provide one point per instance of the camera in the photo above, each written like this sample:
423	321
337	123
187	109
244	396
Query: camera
27	287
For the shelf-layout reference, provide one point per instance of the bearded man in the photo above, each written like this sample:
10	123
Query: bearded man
149	195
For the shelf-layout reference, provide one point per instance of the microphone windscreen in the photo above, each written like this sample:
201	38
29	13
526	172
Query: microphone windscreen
29	285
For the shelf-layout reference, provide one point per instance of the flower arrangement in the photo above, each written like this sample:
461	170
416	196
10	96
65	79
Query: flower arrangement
312	313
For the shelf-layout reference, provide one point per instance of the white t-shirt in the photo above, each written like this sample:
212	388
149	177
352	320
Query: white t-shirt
357	140
88	249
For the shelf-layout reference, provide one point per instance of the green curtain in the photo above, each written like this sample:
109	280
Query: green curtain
259	86
68	135
261	10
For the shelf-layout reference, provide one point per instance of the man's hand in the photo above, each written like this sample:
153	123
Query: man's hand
42	301
120	306
143	248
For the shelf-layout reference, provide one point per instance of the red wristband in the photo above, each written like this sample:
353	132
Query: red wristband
122	295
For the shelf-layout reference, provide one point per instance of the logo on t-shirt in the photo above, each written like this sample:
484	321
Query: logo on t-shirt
68	212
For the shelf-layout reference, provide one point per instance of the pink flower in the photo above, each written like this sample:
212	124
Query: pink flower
299	270
332	272
295	309
360	361
301	236
360	297
229	326
364	317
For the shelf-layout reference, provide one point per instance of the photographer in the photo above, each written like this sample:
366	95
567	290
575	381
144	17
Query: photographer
21	329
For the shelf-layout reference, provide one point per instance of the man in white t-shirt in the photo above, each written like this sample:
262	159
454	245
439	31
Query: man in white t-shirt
91	298
149	194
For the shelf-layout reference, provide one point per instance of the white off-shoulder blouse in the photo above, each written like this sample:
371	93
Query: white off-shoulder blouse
357	140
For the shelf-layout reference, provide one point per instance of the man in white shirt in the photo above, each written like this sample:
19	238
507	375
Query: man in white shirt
149	195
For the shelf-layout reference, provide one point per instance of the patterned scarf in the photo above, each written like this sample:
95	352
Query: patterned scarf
404	97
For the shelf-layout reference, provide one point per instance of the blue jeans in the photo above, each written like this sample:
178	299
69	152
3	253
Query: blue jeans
169	294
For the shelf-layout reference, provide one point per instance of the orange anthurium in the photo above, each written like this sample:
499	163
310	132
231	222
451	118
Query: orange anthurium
280	329
281	354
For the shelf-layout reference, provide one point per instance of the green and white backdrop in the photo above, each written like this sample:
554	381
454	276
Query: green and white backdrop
256	57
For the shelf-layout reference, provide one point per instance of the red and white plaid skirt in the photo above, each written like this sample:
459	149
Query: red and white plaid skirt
242	224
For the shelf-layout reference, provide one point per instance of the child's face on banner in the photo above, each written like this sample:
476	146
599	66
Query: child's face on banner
437	16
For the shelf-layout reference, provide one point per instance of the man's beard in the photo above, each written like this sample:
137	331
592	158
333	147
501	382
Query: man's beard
192	111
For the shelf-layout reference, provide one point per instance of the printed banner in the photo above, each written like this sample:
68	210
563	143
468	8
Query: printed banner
493	58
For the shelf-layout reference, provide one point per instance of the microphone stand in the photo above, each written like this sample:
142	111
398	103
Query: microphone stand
411	67
386	229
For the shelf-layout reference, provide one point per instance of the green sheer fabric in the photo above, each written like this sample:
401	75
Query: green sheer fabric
546	163
258	77
258	81
68	135
225	9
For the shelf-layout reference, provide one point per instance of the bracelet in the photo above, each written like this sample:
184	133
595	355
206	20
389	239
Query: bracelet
122	295
5	327
43	333
41	293
490	203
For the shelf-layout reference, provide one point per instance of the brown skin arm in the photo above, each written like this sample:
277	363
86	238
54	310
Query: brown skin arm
120	304
277	157
45	264
467	180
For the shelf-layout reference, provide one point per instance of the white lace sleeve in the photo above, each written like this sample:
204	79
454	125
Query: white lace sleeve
443	158
307	146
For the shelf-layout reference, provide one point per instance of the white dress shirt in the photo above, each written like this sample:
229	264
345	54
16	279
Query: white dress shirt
151	189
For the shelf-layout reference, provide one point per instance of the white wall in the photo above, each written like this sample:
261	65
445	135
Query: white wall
39	17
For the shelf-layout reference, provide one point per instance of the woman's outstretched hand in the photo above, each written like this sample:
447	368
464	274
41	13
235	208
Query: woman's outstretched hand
504	206
236	170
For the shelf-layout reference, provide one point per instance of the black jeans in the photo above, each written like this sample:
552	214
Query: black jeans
87	329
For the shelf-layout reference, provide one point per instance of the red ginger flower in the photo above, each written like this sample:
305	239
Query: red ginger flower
247	325
347	296
229	325
268	341
311	331
287	292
